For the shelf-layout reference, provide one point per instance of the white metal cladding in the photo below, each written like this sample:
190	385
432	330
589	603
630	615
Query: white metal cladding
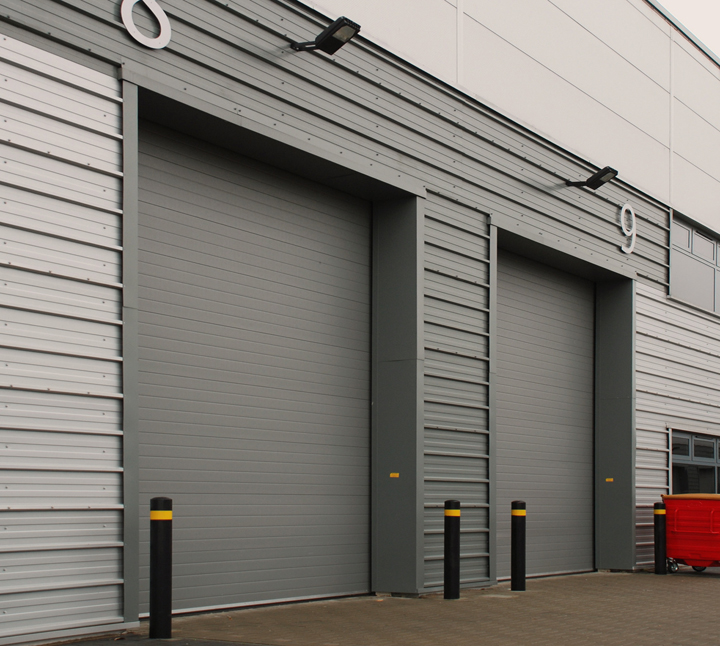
545	414
678	387
456	458
60	367
254	353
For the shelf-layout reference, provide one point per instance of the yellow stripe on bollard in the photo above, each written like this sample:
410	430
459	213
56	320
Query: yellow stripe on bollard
452	512
518	512
160	515
660	511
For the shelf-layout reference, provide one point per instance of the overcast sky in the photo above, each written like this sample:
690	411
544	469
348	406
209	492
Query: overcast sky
701	17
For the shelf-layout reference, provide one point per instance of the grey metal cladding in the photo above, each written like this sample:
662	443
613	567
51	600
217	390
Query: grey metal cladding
545	414
254	375
677	366
60	353
456	458
374	109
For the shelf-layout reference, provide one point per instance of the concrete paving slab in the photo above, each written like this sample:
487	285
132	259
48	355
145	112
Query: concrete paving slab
602	609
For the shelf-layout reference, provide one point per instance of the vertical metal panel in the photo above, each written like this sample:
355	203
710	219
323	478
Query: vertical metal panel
254	374
678	383
545	414
60	365
456	385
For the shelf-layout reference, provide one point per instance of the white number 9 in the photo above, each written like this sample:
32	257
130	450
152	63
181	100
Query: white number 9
628	224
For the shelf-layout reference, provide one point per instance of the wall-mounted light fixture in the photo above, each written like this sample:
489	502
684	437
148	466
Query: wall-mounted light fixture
595	181
333	38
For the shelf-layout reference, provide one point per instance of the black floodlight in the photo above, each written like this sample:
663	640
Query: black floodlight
333	38
595	181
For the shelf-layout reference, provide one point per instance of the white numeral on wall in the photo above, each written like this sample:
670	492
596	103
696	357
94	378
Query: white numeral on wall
628	224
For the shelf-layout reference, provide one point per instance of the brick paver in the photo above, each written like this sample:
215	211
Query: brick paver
602	609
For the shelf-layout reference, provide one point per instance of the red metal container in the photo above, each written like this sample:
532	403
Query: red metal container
693	529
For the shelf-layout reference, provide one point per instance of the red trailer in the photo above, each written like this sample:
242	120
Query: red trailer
693	530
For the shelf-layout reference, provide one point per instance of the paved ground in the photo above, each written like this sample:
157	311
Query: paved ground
602	609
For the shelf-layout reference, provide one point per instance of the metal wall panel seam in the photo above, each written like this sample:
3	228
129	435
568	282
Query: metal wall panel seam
63	315
115	359
677	398
55	236
61	508
64	160
455	429
68	122
100	583
455	277
104	209
447	247
88	281
51	391
459	354
46	547
457	379
436	218
677	344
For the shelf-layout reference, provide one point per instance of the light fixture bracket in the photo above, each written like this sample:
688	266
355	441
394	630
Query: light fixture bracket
596	180
332	38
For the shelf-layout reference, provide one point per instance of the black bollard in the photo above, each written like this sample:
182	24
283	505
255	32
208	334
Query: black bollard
452	549
161	568
517	545
660	538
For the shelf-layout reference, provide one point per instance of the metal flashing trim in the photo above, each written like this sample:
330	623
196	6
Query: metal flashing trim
684	30
138	75
506	223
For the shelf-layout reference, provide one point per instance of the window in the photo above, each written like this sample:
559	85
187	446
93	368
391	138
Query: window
695	463
694	266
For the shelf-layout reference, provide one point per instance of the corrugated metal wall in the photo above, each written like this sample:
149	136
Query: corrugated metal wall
254	350
545	414
456	384
60	365
677	359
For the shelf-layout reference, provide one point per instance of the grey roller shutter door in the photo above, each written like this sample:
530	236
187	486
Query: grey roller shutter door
545	414
254	375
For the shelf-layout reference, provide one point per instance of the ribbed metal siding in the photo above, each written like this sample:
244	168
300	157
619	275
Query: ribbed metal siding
60	366
678	385
545	414
456	384
254	375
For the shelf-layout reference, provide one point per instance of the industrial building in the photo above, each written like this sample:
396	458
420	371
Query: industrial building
310	296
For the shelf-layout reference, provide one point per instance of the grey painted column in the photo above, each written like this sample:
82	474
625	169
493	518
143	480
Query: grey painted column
492	391
397	414
615	425
131	537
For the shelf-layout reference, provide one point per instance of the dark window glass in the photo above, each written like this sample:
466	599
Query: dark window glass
680	445
704	449
693	479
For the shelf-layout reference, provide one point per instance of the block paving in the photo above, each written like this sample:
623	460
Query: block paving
601	609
